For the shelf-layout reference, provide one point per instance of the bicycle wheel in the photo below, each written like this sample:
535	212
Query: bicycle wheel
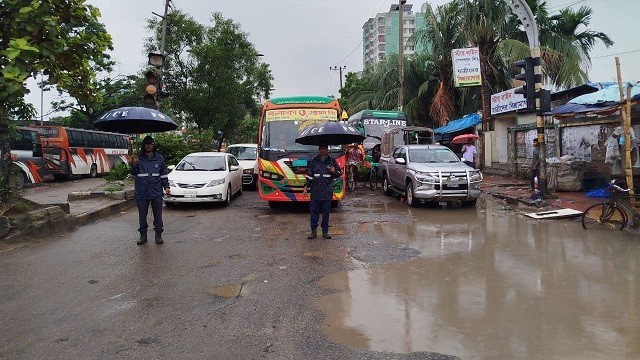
373	178
351	181
604	216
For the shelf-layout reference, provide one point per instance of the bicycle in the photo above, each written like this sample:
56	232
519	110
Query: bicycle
352	167
372	173
611	214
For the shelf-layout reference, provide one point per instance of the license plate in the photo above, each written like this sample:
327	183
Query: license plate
453	185
442	203
190	194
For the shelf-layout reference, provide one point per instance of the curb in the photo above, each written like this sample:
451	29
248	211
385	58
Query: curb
104	211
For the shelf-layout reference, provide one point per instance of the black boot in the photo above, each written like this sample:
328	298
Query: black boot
159	238
312	235
143	238
325	235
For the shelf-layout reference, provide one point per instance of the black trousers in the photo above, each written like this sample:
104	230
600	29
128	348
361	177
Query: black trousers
316	207
143	210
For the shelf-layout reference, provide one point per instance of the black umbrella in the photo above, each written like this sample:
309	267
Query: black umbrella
330	133
134	120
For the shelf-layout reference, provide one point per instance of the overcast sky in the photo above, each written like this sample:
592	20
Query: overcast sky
301	40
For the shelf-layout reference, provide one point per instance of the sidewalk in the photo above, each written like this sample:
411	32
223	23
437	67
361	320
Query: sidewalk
518	191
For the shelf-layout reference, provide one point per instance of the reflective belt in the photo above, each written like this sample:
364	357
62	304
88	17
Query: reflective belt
147	174
309	177
326	175
316	175
141	175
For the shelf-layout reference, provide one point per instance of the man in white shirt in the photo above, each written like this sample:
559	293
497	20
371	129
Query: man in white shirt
469	154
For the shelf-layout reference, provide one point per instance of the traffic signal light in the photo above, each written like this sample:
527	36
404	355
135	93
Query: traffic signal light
151	90
528	90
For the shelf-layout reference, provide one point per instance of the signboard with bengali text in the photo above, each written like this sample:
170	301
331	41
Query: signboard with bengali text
301	114
507	101
466	67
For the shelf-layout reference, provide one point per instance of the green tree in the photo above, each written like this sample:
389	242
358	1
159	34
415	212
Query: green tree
212	72
63	40
114	92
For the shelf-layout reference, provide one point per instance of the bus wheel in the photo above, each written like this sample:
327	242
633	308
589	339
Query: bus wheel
94	171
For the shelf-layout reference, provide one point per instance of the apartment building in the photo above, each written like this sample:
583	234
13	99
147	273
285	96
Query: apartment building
381	37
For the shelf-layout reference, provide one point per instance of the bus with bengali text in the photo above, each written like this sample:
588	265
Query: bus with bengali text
26	157
373	122
282	163
70	152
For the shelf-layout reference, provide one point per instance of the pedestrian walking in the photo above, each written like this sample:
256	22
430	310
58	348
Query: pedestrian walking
150	171
321	172
469	153
535	164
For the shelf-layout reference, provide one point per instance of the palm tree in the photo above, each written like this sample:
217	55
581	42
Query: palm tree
441	34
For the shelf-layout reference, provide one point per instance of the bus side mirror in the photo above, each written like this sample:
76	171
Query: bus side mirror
37	150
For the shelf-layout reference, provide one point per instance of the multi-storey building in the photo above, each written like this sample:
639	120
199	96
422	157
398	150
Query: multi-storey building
380	35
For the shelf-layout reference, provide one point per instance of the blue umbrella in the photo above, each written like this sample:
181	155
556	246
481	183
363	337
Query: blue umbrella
330	133
134	120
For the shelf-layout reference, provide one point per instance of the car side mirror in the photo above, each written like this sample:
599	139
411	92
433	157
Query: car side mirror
233	168
171	167
400	161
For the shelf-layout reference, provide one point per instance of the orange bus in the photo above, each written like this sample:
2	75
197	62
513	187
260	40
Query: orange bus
68	152
282	163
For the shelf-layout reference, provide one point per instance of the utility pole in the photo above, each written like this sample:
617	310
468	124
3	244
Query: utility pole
339	68
401	54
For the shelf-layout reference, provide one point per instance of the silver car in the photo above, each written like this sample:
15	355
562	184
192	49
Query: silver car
430	173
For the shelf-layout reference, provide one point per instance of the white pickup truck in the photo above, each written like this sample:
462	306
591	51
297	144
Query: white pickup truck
429	173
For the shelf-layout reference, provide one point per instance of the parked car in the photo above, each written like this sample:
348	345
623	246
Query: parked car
247	155
205	177
430	173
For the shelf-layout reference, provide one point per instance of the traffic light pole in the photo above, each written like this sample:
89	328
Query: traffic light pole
522	10
542	154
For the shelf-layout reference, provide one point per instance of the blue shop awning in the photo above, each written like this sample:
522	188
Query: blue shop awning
459	124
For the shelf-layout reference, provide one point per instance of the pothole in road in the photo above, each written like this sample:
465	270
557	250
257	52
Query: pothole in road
227	291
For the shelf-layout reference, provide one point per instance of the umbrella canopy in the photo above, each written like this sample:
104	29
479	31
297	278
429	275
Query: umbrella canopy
330	133
464	138
134	120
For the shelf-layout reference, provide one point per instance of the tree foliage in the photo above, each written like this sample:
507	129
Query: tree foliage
430	96
212	72
61	39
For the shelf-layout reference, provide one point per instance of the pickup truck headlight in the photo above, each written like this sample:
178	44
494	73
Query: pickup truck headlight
172	183
424	177
475	176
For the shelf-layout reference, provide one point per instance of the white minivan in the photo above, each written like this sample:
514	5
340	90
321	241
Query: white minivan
247	155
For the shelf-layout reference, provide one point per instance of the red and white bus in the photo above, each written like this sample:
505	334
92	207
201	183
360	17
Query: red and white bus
26	156
69	152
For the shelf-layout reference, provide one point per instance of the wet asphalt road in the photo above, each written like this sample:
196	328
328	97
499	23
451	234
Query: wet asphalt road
395	282
94	294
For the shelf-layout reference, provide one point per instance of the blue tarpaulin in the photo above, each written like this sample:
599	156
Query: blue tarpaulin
459	124
607	95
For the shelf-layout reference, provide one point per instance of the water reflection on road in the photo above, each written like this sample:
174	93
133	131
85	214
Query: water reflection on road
493	285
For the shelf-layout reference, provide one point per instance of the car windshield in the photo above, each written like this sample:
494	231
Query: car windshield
427	155
243	152
202	163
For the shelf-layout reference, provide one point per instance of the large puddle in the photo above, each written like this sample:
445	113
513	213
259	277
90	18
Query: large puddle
493	285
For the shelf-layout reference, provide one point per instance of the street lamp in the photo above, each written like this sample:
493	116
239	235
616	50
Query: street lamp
156	59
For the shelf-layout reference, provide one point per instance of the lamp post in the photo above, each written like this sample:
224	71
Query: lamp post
401	54
338	68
